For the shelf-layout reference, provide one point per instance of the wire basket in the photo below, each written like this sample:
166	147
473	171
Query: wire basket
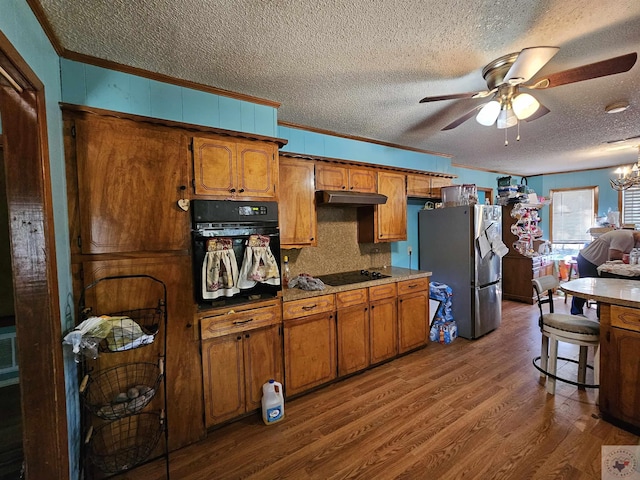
125	443
123	390
131	328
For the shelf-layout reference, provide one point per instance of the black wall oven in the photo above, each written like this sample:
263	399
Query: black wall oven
236	251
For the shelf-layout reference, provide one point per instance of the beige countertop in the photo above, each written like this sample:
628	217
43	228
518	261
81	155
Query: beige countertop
397	274
614	291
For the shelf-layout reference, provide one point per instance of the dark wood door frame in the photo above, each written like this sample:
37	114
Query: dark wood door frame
31	233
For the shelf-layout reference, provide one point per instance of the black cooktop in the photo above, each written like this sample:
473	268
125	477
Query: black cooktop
347	278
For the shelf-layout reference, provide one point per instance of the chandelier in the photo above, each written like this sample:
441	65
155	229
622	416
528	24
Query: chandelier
627	177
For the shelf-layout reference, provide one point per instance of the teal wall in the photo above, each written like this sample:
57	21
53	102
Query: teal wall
20	26
98	87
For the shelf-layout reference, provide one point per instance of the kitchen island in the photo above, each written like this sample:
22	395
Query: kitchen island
619	301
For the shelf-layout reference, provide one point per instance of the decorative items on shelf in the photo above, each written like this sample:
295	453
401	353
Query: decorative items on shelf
526	228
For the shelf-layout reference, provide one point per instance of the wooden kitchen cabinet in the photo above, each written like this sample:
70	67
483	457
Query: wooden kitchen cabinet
387	222
620	365
383	322
426	186
297	205
413	314
330	176
352	330
309	343
113	165
241	350
227	167
234	369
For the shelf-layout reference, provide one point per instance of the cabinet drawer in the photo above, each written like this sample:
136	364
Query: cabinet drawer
351	297
415	285
624	317
388	290
308	306
233	322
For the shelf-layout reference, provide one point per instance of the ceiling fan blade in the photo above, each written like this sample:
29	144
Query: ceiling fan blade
614	65
528	63
541	111
462	119
455	96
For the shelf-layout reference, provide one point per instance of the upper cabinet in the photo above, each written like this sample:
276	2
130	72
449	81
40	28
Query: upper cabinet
331	176
240	169
387	222
426	186
297	208
129	176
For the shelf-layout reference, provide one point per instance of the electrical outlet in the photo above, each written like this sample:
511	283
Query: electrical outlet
409	250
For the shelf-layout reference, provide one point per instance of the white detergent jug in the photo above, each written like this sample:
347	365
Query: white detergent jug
272	402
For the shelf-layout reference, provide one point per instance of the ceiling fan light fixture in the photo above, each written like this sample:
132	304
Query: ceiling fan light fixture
488	113
524	105
507	118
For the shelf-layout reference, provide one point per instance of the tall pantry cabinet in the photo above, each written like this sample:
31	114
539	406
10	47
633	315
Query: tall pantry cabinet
124	180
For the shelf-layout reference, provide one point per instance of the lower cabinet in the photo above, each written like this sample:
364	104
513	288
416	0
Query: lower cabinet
236	365
413	314
383	322
352	331
310	352
620	365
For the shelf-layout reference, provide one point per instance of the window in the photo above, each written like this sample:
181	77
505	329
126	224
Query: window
572	214
631	205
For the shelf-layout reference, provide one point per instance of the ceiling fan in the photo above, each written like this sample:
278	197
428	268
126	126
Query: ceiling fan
508	75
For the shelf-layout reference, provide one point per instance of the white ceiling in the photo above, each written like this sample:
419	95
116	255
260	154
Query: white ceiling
360	67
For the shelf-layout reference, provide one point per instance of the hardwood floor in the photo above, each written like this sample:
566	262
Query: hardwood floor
472	409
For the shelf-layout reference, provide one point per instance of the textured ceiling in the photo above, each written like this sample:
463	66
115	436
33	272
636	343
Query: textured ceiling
360	67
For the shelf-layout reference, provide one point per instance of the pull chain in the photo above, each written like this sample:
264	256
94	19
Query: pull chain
518	137
506	141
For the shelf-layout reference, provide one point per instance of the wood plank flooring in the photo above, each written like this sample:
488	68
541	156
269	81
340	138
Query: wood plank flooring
472	410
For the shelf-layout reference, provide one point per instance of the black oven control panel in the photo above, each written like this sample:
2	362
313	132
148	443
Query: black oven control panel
248	210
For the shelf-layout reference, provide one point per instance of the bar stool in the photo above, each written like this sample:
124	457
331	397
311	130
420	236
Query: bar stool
560	327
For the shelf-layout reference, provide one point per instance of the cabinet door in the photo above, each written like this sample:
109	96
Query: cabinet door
257	170
436	186
413	321
263	361
309	352
383	321
214	166
619	388
362	180
223	378
129	179
353	339
297	206
331	177
419	186
183	362
392	216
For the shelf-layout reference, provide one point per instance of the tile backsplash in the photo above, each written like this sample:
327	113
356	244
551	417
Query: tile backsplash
338	249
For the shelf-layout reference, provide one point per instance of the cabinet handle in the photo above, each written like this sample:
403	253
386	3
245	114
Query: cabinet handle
233	190
242	190
310	307
311	239
412	286
242	322
344	187
350	188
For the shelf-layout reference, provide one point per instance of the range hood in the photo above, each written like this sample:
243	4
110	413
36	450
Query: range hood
346	198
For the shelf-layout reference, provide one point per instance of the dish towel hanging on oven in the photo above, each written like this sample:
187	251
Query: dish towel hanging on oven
219	269
259	264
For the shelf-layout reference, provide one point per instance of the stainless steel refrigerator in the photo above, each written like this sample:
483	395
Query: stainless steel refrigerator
460	245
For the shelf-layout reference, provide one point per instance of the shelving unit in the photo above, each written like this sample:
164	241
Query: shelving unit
520	231
123	390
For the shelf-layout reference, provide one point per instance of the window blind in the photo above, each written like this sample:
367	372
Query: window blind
631	205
